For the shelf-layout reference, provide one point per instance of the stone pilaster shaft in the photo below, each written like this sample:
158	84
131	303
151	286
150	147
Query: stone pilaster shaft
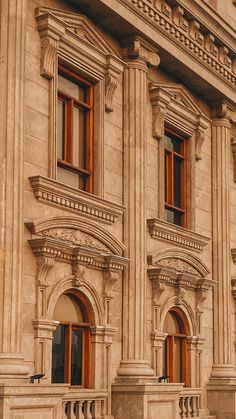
221	246
13	19
135	100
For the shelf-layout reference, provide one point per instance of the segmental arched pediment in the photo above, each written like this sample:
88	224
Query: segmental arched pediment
179	261
74	232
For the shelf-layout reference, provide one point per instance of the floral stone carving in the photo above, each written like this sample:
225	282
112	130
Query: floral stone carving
178	265
76	238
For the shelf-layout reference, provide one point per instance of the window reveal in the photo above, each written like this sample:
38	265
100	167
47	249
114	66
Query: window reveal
175	178
74	130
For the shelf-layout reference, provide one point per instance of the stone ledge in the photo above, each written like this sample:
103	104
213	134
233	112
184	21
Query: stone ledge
162	230
58	194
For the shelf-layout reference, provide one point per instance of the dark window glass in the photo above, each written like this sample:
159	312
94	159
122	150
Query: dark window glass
173	217
76	357
58	354
173	144
177	182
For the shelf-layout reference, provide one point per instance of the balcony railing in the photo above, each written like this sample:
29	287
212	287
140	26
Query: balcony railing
189	403
80	405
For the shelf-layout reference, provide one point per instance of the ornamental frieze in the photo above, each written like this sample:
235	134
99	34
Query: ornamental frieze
188	33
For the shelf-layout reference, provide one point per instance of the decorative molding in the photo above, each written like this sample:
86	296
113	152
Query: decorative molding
137	47
233	287
50	247
44	266
110	279
178	265
233	253
78	273
60	31
175	24
76	238
113	69
162	230
178	280
226	110
52	192
172	103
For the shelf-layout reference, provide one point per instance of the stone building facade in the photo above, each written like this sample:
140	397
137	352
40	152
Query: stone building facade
118	209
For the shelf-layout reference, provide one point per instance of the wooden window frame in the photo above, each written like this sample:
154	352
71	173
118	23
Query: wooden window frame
169	177
169	350
87	107
86	342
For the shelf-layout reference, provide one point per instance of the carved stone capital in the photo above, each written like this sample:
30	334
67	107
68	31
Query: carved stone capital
139	49
50	30
114	68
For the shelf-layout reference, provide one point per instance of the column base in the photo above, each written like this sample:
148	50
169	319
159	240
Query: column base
135	370
221	395
222	371
12	366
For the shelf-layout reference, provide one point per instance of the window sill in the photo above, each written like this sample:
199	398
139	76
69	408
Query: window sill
180	236
58	194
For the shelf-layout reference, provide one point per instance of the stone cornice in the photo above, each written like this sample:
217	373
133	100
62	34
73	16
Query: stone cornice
189	281
50	191
162	230
48	247
173	23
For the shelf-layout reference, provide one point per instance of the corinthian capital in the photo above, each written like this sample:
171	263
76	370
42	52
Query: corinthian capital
138	48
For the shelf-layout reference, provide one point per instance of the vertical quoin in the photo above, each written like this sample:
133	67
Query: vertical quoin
138	56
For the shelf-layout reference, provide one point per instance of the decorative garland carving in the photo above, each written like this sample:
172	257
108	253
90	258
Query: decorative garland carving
178	265
75	237
187	33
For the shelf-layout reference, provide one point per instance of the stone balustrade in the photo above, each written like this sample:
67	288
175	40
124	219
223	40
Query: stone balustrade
189	403
83	407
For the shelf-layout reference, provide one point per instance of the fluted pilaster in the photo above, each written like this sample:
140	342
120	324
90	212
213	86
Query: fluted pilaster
222	366
13	19
138	56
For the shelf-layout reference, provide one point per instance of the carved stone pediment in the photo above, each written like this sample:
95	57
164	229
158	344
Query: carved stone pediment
173	103
75	237
80	25
178	265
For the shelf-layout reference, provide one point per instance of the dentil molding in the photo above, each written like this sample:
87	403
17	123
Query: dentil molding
175	23
162	230
50	191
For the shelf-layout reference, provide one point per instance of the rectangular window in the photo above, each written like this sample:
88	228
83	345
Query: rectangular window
175	178
74	130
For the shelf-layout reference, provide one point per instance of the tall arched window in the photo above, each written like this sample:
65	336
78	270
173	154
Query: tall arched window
175	353
71	342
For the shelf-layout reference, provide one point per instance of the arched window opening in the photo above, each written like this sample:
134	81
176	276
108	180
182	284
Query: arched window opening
175	351
71	342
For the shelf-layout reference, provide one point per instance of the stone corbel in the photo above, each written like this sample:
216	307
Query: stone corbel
200	136
210	45
51	29
178	18
194	32
114	68
44	266
234	65
233	147
137	47
78	273
160	99
224	58
110	279
159	278
233	288
163	7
